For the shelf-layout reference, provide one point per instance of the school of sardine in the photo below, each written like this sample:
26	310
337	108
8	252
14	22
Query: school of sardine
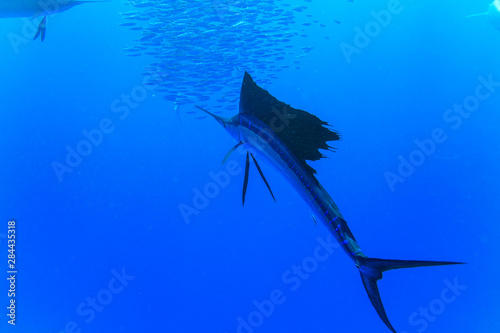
200	49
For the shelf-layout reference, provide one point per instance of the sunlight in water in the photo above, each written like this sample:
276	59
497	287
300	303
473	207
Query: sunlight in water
494	14
496	4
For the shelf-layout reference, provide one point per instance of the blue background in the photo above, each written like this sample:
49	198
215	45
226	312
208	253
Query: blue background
119	208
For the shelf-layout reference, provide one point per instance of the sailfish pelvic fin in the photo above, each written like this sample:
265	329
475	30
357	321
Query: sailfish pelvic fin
247	169
42	26
262	175
245	181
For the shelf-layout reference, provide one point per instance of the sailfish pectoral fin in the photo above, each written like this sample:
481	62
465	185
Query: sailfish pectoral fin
231	151
262	175
245	181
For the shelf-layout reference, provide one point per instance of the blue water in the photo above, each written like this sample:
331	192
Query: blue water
105	247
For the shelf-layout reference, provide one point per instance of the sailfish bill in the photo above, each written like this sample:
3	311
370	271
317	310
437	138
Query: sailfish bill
289	149
222	121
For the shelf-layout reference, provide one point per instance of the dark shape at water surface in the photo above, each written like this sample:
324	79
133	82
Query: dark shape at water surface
287	138
33	9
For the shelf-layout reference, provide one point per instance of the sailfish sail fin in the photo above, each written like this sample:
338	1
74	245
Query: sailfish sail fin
303	133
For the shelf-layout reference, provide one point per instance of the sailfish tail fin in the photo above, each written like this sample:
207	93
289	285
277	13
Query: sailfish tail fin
371	270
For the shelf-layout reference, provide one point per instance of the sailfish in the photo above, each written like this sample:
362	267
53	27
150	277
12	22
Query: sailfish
37	8
287	138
